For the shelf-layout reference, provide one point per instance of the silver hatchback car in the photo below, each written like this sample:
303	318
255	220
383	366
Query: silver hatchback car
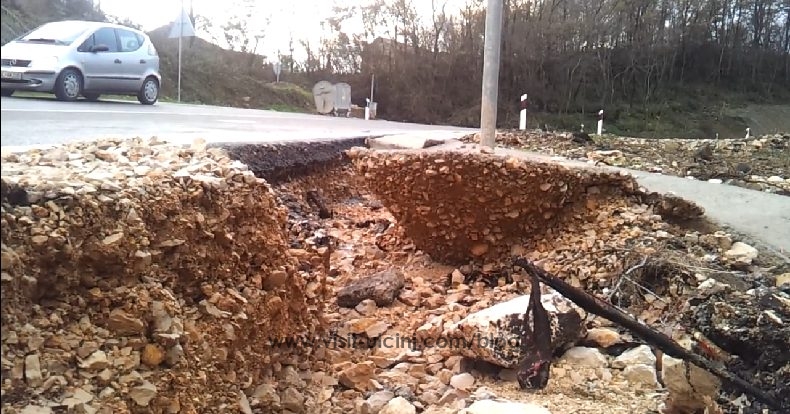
72	58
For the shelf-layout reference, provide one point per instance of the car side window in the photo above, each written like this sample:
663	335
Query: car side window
86	45
106	36
128	40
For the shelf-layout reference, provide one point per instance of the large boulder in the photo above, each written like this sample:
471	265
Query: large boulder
494	334
382	288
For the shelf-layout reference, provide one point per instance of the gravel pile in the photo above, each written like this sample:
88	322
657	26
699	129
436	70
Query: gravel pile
143	277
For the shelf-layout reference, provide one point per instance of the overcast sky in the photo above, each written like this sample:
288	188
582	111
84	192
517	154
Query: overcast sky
300	18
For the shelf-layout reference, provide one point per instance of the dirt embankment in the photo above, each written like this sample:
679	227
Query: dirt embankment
138	277
461	204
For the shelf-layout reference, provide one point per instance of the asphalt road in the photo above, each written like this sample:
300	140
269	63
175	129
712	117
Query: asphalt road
762	217
34	121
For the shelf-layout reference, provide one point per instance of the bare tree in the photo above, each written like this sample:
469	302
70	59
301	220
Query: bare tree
573	56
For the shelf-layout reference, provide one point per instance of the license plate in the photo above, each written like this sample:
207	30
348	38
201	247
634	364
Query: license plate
12	75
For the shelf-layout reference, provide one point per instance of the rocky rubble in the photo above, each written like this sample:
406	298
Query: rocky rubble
380	351
618	226
760	163
141	277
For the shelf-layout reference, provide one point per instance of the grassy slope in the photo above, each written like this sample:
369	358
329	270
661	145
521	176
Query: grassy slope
692	112
212	75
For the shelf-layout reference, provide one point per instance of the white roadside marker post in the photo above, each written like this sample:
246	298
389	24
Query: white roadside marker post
600	122
522	124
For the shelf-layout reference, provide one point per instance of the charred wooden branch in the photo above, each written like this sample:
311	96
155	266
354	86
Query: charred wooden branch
661	341
533	371
315	200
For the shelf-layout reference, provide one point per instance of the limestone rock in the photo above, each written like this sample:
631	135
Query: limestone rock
123	324
266	394
78	398
494	334
602	337
641	375
398	405
457	277
503	407
143	394
453	396
584	357
376	329
741	253
244	404
357	376
484	393
161	318
639	355
293	400
463	381
33	370
382	288
366	307
174	354
379	399
97	361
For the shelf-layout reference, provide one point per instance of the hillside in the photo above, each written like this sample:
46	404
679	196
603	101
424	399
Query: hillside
217	76
19	16
708	87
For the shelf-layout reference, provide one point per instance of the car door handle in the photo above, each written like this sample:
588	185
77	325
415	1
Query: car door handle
117	60
142	61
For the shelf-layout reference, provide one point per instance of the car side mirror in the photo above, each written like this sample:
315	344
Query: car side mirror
99	48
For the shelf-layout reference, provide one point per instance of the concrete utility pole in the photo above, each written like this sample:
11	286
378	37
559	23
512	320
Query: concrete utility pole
488	103
180	35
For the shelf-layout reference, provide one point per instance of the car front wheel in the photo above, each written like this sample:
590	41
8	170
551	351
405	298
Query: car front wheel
149	92
68	86
7	92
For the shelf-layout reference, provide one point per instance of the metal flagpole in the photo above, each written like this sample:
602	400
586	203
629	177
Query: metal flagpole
180	35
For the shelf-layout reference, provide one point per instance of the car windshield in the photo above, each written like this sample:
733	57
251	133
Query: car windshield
59	33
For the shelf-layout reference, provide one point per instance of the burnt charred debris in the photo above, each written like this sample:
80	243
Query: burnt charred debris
533	370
